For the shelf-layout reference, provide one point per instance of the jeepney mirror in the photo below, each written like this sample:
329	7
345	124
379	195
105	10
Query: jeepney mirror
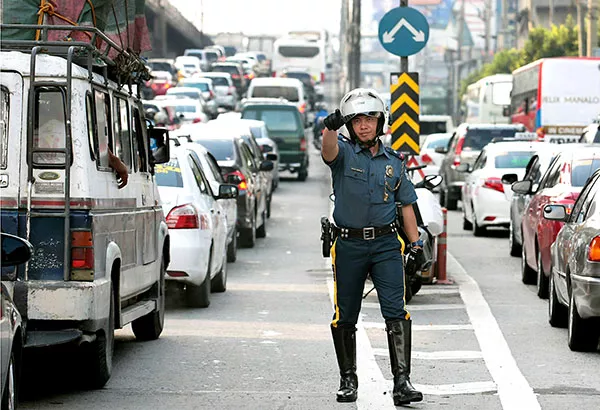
159	137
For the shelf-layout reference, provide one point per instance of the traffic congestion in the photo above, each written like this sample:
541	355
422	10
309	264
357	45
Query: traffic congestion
239	222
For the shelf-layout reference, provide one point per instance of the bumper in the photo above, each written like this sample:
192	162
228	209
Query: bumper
190	250
492	208
586	291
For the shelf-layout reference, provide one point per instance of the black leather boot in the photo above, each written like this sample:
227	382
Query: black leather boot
399	342
344	340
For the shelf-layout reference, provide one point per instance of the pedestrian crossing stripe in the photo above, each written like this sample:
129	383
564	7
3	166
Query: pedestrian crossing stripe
405	127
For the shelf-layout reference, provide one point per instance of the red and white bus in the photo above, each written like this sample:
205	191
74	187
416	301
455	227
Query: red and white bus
557	97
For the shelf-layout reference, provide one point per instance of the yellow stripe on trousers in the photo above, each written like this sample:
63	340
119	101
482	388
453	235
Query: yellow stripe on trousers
335	302
402	245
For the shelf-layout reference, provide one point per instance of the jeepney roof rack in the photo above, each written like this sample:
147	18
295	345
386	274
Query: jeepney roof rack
101	54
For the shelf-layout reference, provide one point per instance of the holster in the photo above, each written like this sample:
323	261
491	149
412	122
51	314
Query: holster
326	236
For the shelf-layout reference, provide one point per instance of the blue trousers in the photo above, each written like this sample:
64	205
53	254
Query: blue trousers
352	260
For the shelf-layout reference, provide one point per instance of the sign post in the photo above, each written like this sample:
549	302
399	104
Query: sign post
404	31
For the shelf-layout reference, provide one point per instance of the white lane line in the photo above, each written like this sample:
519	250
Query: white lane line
374	389
440	306
440	355
513	389
450	290
417	328
456	388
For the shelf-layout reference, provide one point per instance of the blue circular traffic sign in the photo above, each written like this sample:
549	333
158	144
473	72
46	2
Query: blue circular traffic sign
403	31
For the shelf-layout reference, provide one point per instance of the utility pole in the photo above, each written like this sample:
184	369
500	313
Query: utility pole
458	63
343	84
354	52
404	60
487	20
551	12
592	26
580	37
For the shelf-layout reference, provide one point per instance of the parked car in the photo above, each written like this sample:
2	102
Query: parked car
187	110
15	251
575	268
239	167
428	156
209	107
267	146
561	184
485	196
289	89
205	86
535	169
237	74
227	96
285	127
197	224
467	142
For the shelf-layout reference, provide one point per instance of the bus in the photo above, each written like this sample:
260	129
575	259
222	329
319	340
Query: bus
301	54
557	97
485	100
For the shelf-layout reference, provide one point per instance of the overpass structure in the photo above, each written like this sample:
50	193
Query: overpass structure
171	33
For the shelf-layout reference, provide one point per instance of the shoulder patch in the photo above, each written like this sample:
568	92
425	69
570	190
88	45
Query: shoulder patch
395	153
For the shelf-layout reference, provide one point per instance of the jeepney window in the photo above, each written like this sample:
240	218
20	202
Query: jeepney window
122	141
139	146
4	111
49	129
89	111
102	104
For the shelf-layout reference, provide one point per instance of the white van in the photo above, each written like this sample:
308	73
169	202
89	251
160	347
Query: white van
290	89
189	65
100	252
201	55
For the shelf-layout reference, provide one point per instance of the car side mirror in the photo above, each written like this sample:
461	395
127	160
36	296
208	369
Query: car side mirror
233	179
464	168
555	213
441	150
506	111
509	179
160	136
15	251
266	165
272	157
266	148
228	191
522	187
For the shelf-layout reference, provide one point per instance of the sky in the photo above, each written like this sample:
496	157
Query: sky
262	16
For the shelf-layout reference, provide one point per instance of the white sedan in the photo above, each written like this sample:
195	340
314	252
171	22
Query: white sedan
485	197
428	156
197	226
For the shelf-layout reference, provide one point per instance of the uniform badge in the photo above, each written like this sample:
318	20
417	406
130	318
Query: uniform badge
389	171
385	196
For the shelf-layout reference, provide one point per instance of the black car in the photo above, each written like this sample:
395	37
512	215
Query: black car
237	74
239	166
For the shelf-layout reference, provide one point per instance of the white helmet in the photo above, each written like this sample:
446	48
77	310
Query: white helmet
364	101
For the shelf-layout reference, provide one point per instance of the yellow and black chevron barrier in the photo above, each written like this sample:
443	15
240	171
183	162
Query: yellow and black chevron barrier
405	126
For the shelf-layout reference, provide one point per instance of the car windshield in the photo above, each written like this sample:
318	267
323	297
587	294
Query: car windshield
199	86
515	159
183	108
582	170
160	66
231	69
222	150
433	127
169	174
212	56
219	81
275	120
477	138
289	93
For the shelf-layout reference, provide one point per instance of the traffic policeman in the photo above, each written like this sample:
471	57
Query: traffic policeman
368	180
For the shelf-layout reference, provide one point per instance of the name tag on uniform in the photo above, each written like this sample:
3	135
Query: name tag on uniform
357	170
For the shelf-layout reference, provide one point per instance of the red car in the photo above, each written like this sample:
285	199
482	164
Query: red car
561	184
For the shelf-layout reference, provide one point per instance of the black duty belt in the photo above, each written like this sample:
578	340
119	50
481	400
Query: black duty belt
369	233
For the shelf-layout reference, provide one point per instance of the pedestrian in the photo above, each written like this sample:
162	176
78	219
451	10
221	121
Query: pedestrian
368	180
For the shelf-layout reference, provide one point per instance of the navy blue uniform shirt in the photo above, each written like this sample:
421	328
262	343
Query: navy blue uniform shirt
367	187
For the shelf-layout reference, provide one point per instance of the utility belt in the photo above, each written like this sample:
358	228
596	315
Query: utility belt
329	232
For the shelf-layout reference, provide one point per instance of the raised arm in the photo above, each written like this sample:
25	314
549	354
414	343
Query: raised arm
329	145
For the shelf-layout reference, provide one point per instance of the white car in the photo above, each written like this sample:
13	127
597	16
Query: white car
227	95
210	108
197	226
485	198
290	89
188	110
428	156
188	65
205	86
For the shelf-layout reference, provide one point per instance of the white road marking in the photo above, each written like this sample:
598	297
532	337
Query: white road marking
513	389
446	290
440	355
456	388
417	328
440	306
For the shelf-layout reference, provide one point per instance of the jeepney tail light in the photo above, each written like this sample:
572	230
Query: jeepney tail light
594	250
82	250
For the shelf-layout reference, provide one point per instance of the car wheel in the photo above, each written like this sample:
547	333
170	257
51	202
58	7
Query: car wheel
150	327
261	232
583	333
477	230
528	275
515	248
232	247
302	175
248	235
10	395
98	355
199	296
557	313
542	279
219	282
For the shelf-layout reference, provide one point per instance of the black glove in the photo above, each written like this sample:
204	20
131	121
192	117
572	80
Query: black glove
334	121
414	261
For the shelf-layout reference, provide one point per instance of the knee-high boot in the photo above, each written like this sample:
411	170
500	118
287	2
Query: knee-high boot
399	342
344	340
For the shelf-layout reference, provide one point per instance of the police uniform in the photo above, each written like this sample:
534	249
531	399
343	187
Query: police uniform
366	189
